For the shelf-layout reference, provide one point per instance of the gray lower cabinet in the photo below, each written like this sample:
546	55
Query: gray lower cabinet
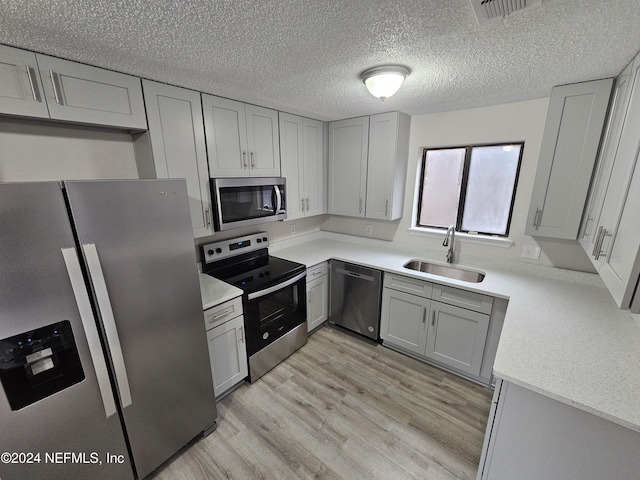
533	437
317	295
403	320
457	336
444	325
227	345
36	85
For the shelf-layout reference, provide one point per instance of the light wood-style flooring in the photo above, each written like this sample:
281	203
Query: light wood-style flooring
343	408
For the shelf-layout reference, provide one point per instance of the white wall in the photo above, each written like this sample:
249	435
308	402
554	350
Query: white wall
34	151
521	121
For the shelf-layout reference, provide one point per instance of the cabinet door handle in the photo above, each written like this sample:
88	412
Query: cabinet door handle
244	159
596	243
424	315
537	218
207	216
361	205
386	208
302	202
253	162
307	204
599	252
241	334
56	94
433	318
33	84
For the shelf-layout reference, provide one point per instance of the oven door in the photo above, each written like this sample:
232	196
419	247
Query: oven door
271	313
241	202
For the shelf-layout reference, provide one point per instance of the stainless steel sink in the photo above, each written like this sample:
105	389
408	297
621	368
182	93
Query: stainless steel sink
445	271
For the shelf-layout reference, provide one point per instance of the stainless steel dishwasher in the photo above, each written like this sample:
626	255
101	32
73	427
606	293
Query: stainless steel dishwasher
355	298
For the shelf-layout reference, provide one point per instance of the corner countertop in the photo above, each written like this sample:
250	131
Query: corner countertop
214	291
563	335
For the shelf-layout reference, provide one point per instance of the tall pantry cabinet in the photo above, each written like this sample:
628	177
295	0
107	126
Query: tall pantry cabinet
611	220
176	135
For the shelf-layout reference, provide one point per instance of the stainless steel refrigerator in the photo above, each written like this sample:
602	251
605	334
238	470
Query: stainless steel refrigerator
103	354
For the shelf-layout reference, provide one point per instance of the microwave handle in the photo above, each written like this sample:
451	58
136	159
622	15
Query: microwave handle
276	188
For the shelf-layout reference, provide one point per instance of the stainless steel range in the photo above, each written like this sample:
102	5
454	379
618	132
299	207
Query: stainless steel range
274	299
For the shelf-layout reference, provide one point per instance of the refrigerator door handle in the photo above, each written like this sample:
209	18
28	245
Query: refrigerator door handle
91	331
108	320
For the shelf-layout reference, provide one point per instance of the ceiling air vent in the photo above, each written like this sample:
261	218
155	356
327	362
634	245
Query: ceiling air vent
489	9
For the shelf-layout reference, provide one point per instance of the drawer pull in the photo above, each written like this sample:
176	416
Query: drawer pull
224	313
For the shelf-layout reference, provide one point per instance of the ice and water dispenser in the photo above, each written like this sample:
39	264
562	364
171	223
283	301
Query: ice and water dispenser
39	363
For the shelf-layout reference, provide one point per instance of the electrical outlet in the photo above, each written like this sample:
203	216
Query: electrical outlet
531	251
293	228
368	229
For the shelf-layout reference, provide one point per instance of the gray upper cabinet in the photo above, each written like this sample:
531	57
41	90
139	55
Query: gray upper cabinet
20	85
368	165
616	233
242	139
610	230
36	85
176	132
348	149
387	165
302	162
569	147
610	143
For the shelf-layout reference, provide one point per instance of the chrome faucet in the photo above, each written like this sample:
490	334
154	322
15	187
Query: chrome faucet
451	232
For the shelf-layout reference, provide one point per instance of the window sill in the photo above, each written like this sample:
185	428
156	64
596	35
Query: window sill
501	242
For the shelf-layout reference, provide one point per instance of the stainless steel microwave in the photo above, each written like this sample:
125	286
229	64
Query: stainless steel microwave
241	202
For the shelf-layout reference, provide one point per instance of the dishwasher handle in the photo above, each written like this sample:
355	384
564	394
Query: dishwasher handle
360	276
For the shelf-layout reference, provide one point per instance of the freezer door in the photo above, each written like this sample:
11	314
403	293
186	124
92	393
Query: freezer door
57	408
137	241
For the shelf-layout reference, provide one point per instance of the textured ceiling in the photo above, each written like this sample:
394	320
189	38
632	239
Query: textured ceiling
305	56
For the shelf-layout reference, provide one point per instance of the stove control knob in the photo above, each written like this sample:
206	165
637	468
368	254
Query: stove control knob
264	239
259	240
218	250
266	274
209	252
261	275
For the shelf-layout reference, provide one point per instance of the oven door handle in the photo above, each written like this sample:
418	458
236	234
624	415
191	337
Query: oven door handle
275	288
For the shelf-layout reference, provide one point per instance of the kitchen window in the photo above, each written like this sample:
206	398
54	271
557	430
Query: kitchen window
471	187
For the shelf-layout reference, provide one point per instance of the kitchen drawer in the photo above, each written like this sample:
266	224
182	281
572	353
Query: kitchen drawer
462	298
317	271
409	285
224	312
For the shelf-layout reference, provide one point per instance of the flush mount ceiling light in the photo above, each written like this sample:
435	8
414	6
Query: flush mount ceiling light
385	80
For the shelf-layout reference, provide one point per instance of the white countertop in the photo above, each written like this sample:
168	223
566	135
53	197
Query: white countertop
214	291
563	335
